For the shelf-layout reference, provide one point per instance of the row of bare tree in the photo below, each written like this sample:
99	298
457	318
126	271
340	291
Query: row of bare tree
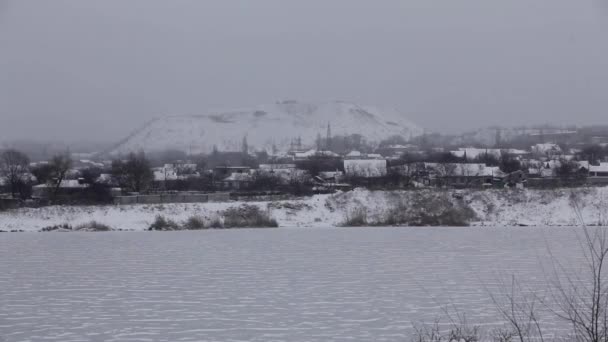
577	299
15	168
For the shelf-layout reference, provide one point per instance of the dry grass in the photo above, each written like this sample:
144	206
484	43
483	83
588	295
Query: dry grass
162	223
248	216
94	226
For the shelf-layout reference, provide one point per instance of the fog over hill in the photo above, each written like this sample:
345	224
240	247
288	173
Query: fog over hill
266	127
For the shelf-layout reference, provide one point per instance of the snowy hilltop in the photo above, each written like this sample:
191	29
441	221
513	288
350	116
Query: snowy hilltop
266	127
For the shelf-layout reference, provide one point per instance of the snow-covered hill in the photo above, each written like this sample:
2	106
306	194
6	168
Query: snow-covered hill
277	124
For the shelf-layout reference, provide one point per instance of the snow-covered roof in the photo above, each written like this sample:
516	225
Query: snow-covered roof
546	148
163	174
313	153
238	177
516	151
66	183
583	163
277	166
464	169
353	154
104	178
472	152
603	167
399	146
330	174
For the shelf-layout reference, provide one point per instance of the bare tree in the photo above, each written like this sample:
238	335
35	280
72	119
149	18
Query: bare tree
519	310
60	165
582	300
134	173
13	166
578	298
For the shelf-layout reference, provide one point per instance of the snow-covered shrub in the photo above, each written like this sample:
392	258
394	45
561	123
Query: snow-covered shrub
94	226
248	216
438	209
216	223
162	223
356	218
57	227
195	223
459	331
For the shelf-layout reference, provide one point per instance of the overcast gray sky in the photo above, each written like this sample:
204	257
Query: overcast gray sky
78	69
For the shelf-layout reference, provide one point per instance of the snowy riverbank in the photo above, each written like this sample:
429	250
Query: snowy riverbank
483	208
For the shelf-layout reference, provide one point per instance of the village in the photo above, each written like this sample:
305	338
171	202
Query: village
334	164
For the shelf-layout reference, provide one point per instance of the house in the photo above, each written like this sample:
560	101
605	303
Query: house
331	176
327	182
353	155
162	174
221	172
397	150
472	153
598	170
365	168
314	153
516	152
175	171
275	167
546	149
374	156
359	155
285	173
461	174
67	187
81	164
236	181
515	179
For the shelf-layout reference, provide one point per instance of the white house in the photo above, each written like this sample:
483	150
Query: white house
598	170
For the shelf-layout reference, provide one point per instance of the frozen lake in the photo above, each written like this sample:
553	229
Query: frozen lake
260	285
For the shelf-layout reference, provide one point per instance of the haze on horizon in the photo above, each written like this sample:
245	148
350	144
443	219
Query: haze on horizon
96	70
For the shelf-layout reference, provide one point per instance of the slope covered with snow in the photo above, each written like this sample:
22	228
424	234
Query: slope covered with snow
492	208
266	126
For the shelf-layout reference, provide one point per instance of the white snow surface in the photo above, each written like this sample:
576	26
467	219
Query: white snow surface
267	125
491	207
296	285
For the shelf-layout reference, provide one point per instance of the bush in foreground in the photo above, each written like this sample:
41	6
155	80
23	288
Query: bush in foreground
196	223
356	218
162	223
424	209
248	216
58	227
94	226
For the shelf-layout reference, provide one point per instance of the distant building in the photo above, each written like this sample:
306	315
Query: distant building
546	149
461	174
365	168
598	170
67	187
472	153
314	153
236	181
397	150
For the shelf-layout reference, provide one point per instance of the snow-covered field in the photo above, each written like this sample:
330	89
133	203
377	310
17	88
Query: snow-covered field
491	208
368	284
